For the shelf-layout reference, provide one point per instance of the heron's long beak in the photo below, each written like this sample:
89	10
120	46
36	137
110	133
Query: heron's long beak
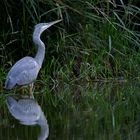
50	24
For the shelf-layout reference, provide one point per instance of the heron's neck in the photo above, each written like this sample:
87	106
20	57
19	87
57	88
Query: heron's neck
39	57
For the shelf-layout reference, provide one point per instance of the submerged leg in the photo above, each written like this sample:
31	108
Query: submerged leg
31	90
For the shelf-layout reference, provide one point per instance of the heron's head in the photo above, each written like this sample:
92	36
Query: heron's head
39	28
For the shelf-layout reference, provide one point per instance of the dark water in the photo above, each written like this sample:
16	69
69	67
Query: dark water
109	111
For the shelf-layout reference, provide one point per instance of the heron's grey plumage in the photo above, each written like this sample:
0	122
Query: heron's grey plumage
25	70
25	110
28	112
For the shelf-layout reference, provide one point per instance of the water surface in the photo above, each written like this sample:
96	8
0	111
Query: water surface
102	111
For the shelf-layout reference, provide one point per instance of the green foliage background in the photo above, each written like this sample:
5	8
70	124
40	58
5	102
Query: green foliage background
101	38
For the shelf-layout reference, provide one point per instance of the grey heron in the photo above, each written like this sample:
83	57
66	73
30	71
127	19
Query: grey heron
25	71
28	112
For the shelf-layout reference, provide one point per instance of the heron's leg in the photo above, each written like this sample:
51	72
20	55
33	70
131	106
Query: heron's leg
31	90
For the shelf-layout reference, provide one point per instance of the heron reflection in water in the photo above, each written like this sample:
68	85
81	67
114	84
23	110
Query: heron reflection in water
25	71
28	112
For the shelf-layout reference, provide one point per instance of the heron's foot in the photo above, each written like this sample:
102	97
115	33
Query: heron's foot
25	96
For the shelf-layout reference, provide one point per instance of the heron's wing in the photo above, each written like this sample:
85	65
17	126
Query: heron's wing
21	65
23	72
